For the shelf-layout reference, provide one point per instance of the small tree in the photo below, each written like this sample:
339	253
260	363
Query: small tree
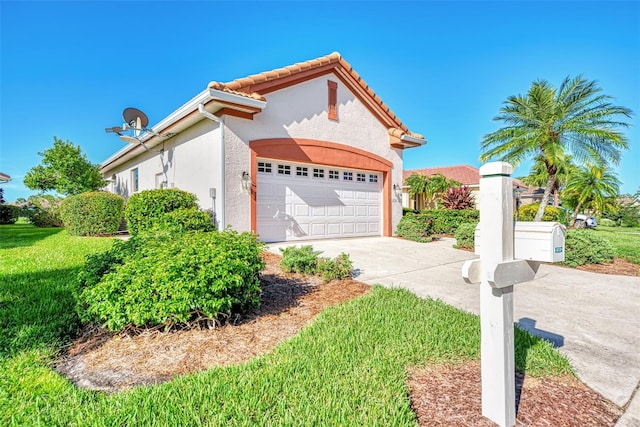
64	169
8	213
594	187
427	188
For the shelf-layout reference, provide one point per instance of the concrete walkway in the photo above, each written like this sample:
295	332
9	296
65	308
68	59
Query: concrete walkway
593	319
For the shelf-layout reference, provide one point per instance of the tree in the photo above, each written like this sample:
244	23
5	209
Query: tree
64	169
428	187
538	176
594	187
550	124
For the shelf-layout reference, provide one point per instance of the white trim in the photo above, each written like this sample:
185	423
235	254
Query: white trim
413	139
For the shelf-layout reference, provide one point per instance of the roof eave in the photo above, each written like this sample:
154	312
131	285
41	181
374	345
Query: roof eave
207	96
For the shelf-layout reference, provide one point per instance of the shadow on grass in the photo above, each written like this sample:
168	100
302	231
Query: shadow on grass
37	310
526	337
20	235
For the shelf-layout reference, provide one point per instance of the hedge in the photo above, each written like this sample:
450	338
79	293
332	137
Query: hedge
177	279
586	247
146	208
96	213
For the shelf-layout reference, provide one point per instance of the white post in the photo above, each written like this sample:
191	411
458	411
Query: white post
496	304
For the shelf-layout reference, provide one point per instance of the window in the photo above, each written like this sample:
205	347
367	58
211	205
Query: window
264	167
334	175
373	178
302	171
284	169
361	177
134	180
347	176
332	110
318	173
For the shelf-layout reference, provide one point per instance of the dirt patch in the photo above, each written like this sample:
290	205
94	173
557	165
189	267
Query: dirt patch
451	395
440	395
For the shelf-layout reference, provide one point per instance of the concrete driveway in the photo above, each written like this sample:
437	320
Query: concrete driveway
593	319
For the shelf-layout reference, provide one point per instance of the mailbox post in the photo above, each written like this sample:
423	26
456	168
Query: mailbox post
497	271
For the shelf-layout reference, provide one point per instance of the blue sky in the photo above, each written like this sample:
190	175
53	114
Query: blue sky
69	68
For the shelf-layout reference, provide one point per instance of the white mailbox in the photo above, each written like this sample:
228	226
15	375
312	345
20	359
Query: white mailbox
536	241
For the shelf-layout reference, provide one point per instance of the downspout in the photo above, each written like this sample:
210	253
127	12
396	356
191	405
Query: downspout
223	197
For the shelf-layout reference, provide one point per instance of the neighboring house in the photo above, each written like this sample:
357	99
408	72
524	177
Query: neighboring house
307	151
4	178
464	174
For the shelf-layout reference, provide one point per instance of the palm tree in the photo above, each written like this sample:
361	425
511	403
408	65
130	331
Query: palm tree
428	187
594	187
538	176
548	123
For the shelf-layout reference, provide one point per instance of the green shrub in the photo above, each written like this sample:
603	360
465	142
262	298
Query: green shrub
341	267
184	219
96	213
146	208
300	260
43	211
586	247
446	221
465	235
408	210
9	214
416	227
180	279
306	261
528	213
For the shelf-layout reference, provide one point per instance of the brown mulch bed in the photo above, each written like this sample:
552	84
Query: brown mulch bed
451	395
619	266
440	395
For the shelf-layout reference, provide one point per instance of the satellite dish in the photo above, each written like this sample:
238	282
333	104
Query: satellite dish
135	119
129	139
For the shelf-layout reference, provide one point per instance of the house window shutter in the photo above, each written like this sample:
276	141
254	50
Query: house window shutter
333	100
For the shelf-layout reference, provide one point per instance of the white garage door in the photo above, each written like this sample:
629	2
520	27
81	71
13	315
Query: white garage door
298	201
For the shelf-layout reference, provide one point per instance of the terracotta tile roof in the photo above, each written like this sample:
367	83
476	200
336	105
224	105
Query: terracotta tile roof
464	174
256	85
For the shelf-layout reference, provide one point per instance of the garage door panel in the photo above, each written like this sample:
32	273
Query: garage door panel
294	207
334	229
333	210
361	227
348	228
300	210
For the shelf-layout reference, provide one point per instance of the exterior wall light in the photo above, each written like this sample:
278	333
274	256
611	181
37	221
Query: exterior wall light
246	181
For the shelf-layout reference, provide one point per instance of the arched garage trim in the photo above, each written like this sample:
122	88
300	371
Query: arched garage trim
323	153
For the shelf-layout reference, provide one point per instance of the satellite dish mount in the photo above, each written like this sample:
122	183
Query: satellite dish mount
136	121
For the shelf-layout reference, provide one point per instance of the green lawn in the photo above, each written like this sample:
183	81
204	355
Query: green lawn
347	368
626	241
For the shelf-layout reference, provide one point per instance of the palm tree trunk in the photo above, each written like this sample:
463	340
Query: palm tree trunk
545	197
575	214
